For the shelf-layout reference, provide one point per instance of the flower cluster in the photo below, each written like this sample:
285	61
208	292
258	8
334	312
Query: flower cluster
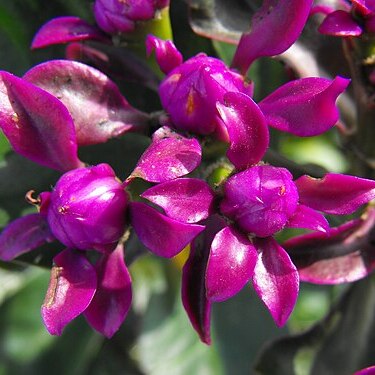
230	225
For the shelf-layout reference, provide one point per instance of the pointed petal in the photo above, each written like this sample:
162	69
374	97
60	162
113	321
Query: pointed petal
193	290
273	29
71	289
185	199
164	236
24	234
169	156
340	23
306	217
64	30
80	87
230	265
275	279
345	255
304	107
247	129
37	125
113	296
167	55
336	194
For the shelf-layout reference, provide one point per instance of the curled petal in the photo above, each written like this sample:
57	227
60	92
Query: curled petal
230	264
71	289
169	156
340	23
336	194
275	279
345	254
167	55
37	124
113	296
273	29
80	87
247	129
193	289
24	234
64	30
306	217
304	107
185	199
164	236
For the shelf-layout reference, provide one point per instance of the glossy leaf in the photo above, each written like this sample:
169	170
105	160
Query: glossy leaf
337	194
169	156
37	124
230	264
80	87
185	199
193	289
160	234
71	289
273	29
247	129
340	23
275	279
24	234
304	107
344	254
113	296
306	217
66	29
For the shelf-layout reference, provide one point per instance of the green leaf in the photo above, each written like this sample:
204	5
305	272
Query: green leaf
342	343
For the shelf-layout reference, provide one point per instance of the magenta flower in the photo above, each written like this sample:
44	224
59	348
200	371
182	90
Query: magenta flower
116	16
352	20
190	91
86	209
240	220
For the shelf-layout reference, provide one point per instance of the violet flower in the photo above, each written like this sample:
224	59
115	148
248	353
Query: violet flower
191	89
116	16
255	204
353	20
86	210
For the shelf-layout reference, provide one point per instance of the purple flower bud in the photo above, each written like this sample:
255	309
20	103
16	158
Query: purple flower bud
118	16
260	200
190	91
87	209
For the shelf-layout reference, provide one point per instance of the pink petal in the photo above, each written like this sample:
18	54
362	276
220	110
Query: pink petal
346	254
71	289
24	234
336	194
247	129
306	217
64	30
80	87
185	199
273	29
275	279
230	264
340	23
304	107
162	235
113	296
167	55
169	156
37	125
193	289
366	371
